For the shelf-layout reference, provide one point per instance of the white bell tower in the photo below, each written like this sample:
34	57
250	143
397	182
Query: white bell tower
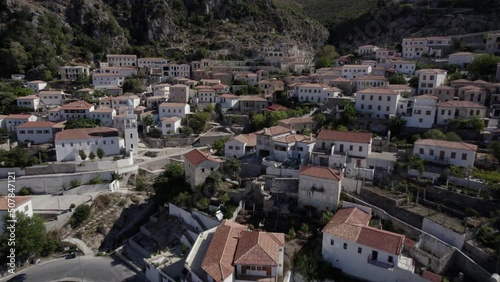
131	134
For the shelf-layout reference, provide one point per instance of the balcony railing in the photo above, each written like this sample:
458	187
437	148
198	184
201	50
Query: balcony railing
441	160
386	265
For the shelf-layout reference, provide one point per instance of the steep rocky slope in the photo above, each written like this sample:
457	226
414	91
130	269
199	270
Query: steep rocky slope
88	29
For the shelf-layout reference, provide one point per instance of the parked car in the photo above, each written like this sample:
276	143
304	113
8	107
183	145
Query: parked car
71	256
18	278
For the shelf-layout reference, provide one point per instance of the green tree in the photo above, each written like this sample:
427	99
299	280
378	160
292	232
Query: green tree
92	156
174	171
201	53
452	136
83	80
320	120
148	120
17	157
14	58
306	266
232	168
325	56
396	125
133	85
483	66
82	213
82	154
210	108
213	183
477	124
184	199
415	162
291	233
349	116
258	121
455	76
495	149
397	79
81	123
224	198
198	121
100	153
325	218
434	134
30	236
413	82
218	146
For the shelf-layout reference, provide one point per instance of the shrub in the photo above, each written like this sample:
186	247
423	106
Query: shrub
92	156
25	191
292	233
74	183
82	213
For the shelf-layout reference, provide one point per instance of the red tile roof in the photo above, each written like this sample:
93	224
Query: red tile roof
275	130
35	124
321	172
18	201
352	224
298	120
249	139
447	144
259	248
196	157
372	90
170	119
254	98
276	107
430	276
85	133
460	104
78	105
295	138
29	97
169	104
218	261
18	116
103	110
346	136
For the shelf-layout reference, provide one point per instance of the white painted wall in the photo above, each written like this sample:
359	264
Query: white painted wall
68	150
447	235
425	152
234	148
377	105
326	200
38	135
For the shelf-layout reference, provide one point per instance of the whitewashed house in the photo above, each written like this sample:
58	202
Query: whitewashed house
428	79
71	73
369	81
107	80
447	111
121	60
122	71
105	115
22	204
37	132
176	70
265	138
493	43
294	146
405	67
151	62
462	59
367	50
445	93
53	97
36	85
168	109
298	123
121	101
446	152
77	109
377	102
170	125
205	94
365	252
352	71
316	93
240	145
32	102
421	112
179	93
68	143
319	187
13	120
198	165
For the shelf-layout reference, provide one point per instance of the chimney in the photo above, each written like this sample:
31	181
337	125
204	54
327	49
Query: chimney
265	130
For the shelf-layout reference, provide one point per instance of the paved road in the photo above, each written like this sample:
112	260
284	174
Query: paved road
93	269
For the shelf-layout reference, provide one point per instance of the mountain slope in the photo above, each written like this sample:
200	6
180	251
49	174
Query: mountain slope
41	35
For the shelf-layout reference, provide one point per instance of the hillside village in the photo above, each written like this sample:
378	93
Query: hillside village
379	165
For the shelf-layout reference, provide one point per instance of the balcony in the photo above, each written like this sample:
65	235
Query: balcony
244	277
438	159
386	265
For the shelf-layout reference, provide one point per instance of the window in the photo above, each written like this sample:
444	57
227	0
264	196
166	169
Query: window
112	141
237	147
390	259
345	246
420	120
427	113
453	155
362	97
361	148
230	147
332	242
350	147
30	131
464	157
22	131
378	108
62	145
421	151
202	170
369	107
360	250
104	142
388	98
371	97
431	152
380	98
71	144
362	107
387	108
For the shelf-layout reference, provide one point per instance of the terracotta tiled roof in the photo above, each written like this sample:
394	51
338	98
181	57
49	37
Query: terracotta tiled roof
295	138
445	87
425	97
438	71
36	82
249	139
277	107
170	119
352	224
447	144
275	130
18	116
85	133
461	54
78	105
372	90
35	124
399	87
169	105
218	261
461	81
346	136
29	97
196	157
430	276
126	97
254	98
259	248
371	77
103	110
297	120
321	172
380	239
232	96
120	55
18	201
460	104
